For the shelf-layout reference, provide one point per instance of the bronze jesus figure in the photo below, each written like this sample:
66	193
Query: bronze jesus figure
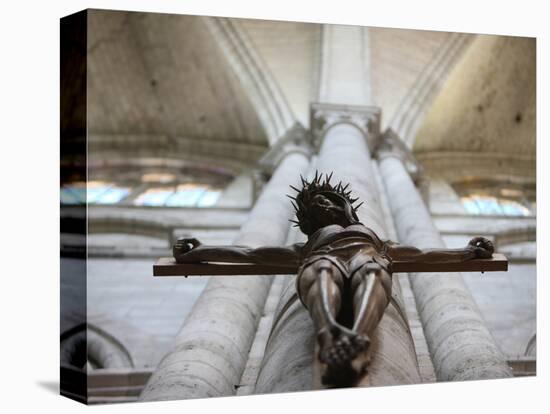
344	277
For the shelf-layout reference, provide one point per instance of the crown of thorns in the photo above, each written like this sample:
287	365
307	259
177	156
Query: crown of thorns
309	190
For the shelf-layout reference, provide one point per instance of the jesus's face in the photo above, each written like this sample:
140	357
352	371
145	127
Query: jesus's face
326	211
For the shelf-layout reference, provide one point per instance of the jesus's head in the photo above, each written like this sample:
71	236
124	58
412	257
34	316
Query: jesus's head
319	204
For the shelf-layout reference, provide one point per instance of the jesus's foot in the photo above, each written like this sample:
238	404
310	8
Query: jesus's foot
338	350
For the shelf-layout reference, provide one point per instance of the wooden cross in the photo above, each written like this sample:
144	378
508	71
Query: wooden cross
167	266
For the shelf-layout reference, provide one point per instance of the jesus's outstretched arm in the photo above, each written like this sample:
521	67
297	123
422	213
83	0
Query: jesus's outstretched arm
477	248
189	250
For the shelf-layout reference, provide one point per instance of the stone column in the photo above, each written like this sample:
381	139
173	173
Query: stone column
345	152
288	357
459	342
211	350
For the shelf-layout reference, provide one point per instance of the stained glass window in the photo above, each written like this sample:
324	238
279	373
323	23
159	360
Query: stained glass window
487	205
154	196
185	195
95	192
209	198
100	192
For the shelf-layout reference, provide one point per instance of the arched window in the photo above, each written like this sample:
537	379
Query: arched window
499	198
185	195
487	205
101	192
96	192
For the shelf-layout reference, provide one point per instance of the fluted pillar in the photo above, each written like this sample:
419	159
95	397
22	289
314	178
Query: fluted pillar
211	350
460	344
345	151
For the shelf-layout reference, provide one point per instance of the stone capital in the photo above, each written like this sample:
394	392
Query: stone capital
390	145
324	116
296	139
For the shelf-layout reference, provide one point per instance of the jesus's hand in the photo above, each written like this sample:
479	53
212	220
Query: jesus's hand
482	247
184	245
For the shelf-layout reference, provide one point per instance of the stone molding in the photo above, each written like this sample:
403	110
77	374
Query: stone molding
515	235
161	151
455	166
324	116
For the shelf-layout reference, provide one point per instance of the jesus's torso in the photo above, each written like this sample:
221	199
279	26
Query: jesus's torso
343	242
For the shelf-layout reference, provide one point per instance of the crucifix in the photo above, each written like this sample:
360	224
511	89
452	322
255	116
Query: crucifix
344	272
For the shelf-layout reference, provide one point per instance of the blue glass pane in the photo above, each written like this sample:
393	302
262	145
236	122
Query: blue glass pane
209	198
112	196
185	197
488	206
494	206
512	208
94	192
153	197
471	207
79	192
68	197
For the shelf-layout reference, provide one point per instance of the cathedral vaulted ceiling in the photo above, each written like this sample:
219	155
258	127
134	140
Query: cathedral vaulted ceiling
220	91
157	81
485	113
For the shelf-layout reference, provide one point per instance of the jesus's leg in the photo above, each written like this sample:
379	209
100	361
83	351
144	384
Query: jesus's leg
320	286
371	287
371	290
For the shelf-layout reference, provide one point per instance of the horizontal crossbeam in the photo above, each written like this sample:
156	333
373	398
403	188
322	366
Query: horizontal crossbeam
167	266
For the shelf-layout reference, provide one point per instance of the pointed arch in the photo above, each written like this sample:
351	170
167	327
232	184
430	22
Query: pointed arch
255	77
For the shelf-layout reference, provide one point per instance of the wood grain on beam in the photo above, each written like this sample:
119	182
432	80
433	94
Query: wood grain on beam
167	266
